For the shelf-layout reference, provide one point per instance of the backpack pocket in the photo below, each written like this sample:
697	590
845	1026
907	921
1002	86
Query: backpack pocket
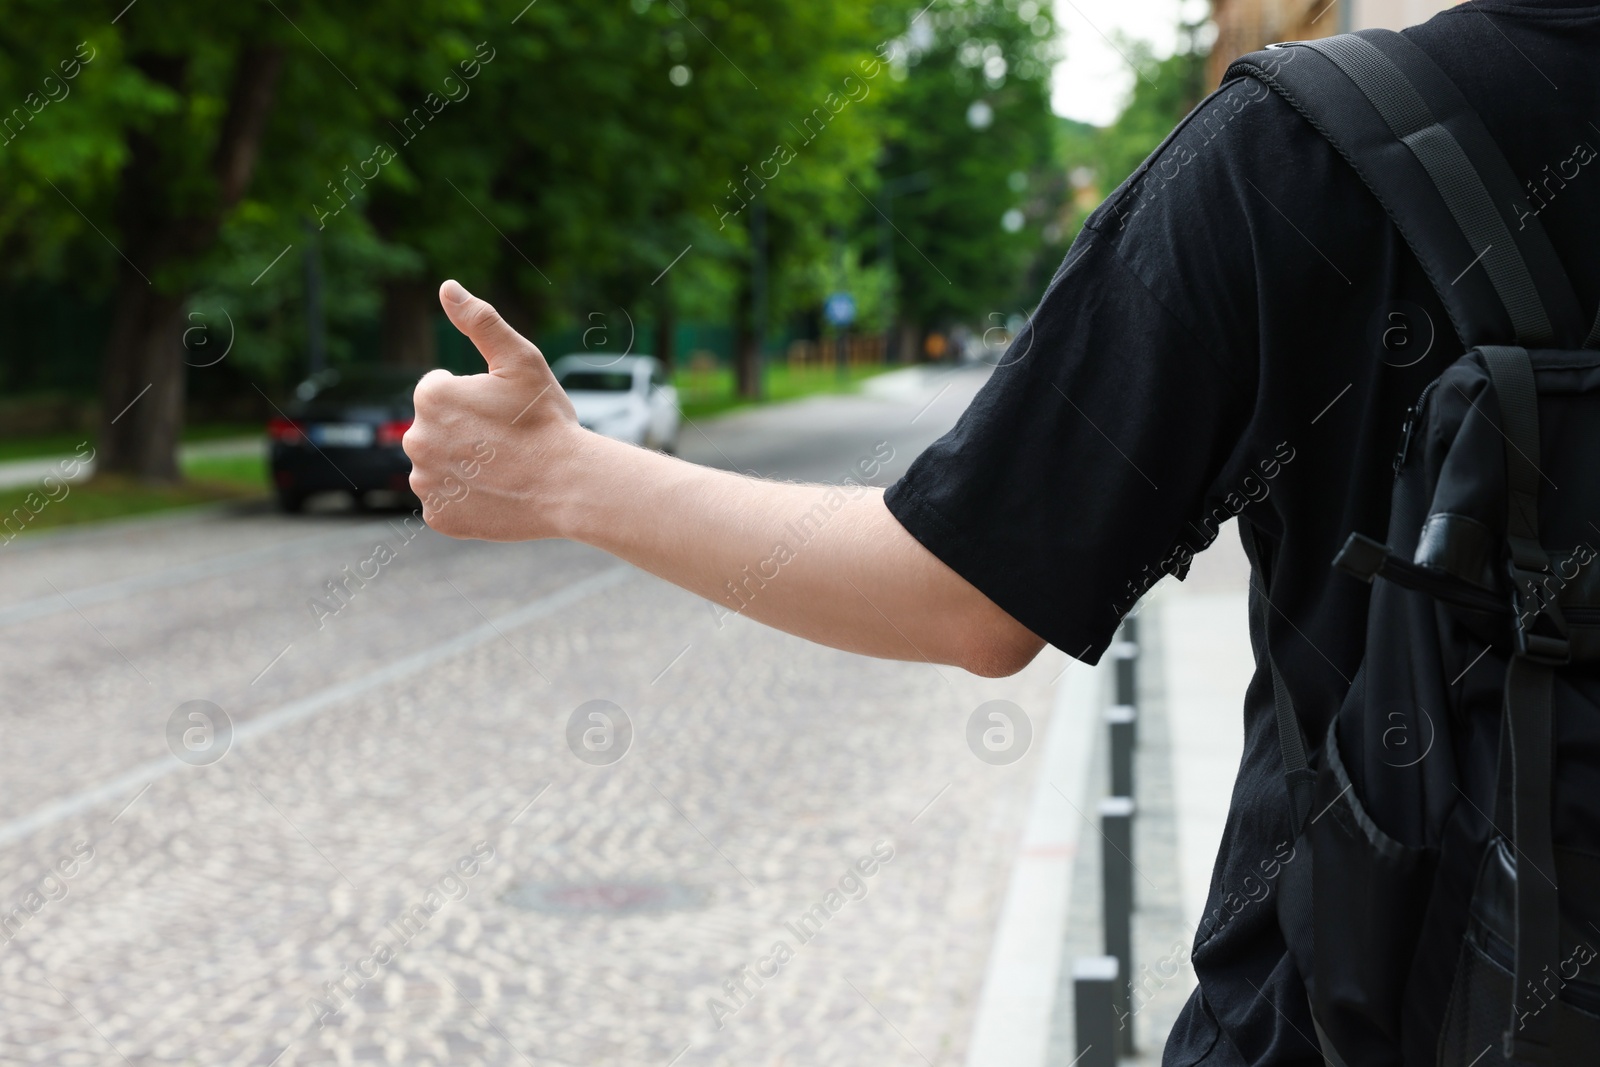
1361	902
1480	998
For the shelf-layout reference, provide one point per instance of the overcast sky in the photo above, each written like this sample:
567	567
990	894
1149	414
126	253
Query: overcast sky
1092	83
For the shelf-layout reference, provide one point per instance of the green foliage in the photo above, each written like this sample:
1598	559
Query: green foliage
1097	160
973	117
1161	97
871	285
555	156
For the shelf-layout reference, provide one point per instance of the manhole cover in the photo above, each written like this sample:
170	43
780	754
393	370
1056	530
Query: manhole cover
604	898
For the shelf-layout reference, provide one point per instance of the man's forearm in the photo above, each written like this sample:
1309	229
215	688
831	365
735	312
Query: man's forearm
825	562
828	563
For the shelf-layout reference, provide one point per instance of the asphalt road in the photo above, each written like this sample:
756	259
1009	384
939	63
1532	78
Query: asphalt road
399	856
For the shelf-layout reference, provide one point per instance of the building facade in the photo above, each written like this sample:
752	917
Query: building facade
1246	25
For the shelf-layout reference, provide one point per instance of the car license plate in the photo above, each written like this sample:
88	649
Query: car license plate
341	434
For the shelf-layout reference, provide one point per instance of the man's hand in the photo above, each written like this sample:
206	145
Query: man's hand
491	452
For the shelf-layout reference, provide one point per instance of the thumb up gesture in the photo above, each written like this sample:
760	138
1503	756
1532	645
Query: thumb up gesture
492	453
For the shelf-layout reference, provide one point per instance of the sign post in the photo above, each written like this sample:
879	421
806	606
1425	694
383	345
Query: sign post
840	311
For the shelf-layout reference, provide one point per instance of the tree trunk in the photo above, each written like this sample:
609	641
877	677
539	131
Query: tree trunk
908	343
407	336
746	353
666	329
141	413
142	378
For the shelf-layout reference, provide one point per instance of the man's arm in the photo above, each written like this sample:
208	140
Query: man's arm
860	582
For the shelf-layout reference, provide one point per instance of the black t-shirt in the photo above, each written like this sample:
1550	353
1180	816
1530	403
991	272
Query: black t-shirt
1239	330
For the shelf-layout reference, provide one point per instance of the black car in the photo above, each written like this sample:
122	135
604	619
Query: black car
341	433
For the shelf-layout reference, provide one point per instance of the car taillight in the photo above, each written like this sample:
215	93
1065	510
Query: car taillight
286	431
391	432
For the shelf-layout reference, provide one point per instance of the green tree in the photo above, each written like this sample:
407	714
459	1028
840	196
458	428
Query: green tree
602	143
179	112
710	131
559	157
1094	160
973	120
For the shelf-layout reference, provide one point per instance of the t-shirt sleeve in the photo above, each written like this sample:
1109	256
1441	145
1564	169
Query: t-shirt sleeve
1099	455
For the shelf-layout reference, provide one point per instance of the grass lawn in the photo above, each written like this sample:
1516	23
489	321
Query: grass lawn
210	480
66	444
245	472
712	392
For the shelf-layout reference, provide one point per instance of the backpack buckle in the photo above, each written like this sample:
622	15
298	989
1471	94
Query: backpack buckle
1541	629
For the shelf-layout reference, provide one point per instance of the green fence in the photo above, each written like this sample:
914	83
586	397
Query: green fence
50	341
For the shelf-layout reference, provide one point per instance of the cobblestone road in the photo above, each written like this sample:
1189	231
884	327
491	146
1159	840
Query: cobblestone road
399	859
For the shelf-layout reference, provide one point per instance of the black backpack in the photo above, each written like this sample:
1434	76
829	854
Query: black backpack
1445	905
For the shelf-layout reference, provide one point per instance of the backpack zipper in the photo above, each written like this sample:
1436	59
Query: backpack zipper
1413	416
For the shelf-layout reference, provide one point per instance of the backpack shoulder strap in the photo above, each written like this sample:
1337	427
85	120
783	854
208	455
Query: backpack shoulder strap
1422	150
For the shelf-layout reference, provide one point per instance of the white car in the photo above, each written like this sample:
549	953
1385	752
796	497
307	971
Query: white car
626	397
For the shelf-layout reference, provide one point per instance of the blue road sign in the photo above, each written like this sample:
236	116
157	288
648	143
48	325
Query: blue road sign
839	309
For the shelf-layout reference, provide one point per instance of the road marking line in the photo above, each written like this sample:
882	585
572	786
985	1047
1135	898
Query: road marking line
116	589
75	803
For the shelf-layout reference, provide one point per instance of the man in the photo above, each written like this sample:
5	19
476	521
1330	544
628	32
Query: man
1238	331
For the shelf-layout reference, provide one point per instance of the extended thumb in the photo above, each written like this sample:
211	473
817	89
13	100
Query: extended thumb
502	348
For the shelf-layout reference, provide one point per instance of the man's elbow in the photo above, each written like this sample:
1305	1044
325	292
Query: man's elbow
999	649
